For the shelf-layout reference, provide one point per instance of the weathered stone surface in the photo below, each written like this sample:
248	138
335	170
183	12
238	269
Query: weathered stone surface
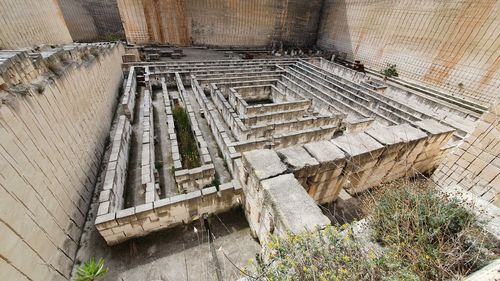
265	163
25	24
297	157
324	151
423	52
433	127
475	164
294	209
52	143
254	29
357	144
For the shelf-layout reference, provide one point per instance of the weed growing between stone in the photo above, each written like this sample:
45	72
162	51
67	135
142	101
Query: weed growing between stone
187	143
390	71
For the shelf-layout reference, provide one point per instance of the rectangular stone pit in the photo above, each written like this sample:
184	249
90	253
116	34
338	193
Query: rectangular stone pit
194	178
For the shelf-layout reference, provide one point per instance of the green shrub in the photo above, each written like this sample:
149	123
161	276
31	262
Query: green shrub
390	71
436	238
91	270
332	254
423	237
187	143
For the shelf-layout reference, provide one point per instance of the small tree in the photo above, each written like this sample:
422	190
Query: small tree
390	71
90	270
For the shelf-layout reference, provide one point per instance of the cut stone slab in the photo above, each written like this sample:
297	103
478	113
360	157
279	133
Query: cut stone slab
291	204
297	157
491	272
409	133
434	127
396	134
324	151
357	144
384	135
265	163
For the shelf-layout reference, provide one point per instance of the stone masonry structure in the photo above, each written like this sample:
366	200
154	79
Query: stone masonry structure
55	115
355	162
475	164
92	20
20	29
222	122
331	133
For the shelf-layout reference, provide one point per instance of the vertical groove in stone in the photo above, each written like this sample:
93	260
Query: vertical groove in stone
31	22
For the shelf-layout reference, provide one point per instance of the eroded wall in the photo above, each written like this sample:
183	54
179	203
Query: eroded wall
220	22
452	45
52	136
24	23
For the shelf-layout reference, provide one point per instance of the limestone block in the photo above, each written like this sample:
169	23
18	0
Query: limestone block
302	163
263	163
326	153
290	206
104	208
363	151
106	221
125	216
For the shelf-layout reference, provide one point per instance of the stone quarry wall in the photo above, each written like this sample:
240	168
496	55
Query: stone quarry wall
52	137
220	23
31	22
80	23
475	164
91	20
452	45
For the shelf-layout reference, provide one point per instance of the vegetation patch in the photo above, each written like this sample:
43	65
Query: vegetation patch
416	235
390	71
91	270
330	254
187	143
433	237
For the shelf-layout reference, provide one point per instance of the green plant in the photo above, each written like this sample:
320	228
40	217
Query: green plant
94	52
390	71
91	270
330	254
113	37
187	143
158	165
434	237
40	88
423	237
